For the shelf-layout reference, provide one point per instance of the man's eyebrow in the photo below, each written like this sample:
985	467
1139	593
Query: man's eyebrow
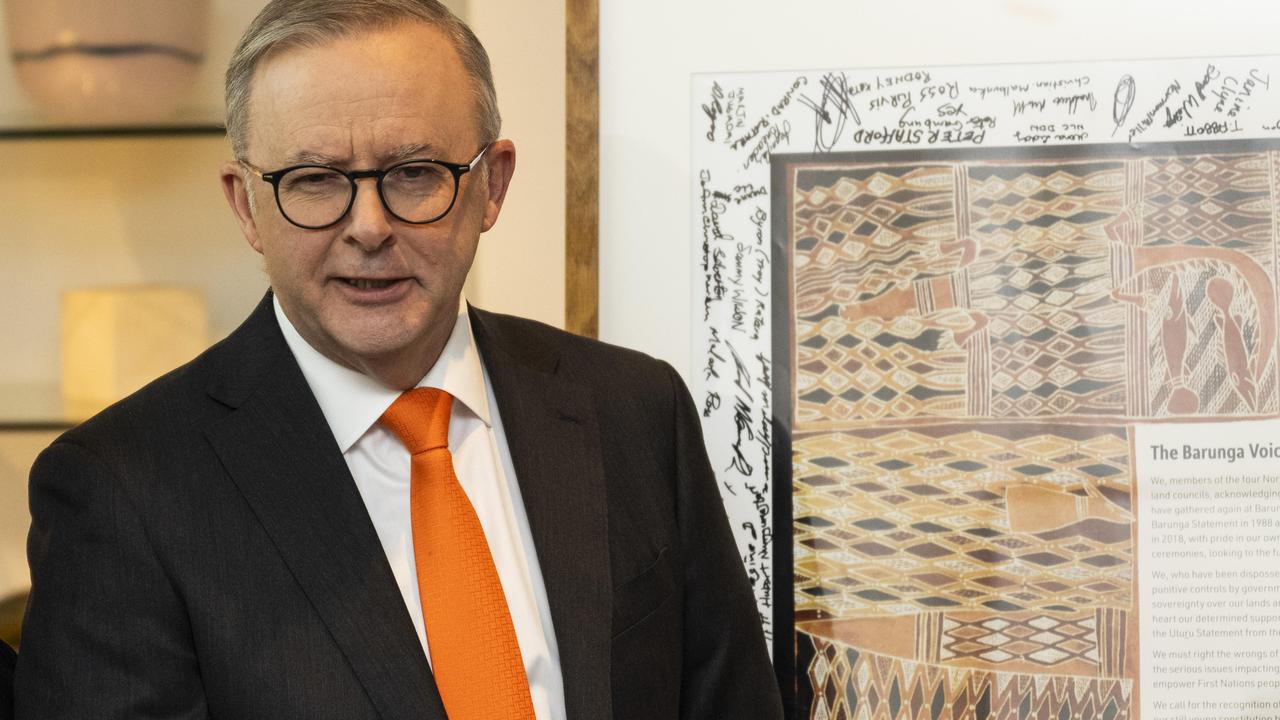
302	157
411	151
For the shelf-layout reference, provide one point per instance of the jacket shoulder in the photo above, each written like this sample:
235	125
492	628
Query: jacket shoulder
163	408
579	358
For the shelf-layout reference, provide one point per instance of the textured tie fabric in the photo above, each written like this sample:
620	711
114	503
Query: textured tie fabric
474	653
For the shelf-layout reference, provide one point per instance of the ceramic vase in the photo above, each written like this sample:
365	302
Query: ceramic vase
103	61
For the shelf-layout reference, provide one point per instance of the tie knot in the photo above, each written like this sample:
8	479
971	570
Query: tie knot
420	418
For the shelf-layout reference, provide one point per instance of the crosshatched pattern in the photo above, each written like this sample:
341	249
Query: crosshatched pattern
848	683
904	522
875	368
1041	230
1210	201
1046	640
1057	362
973	339
859	234
1035	289
1206	325
1057	341
856	228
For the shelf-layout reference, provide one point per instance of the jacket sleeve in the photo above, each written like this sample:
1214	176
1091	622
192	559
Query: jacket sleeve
7	659
105	635
726	669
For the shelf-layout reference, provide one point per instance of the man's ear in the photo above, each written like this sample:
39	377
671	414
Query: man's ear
501	159
237	194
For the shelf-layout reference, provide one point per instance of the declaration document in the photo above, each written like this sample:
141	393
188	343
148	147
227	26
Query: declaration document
1209	569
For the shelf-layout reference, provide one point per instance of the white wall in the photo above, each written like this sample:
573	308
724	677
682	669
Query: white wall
650	49
520	265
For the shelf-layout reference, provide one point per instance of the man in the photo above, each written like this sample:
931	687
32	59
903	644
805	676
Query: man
296	525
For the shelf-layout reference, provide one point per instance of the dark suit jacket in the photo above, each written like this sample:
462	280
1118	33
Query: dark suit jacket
6	681
200	549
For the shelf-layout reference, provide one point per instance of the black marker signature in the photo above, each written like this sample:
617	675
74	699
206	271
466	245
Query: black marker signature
831	113
1126	90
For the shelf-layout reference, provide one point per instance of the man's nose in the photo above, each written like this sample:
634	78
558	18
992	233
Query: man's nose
368	225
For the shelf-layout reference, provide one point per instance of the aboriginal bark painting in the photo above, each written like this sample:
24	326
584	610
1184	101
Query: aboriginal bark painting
962	341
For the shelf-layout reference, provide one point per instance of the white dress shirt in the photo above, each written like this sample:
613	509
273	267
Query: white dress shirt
353	402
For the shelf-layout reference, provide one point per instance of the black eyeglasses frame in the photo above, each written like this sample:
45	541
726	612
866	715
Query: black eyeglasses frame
457	169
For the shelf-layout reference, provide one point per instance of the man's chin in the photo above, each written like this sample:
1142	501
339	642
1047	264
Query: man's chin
365	351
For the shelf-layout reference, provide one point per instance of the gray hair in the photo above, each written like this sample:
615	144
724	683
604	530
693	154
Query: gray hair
286	24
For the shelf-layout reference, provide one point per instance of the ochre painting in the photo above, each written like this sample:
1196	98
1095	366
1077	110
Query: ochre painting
971	337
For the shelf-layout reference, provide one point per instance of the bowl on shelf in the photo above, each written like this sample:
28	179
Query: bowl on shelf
93	61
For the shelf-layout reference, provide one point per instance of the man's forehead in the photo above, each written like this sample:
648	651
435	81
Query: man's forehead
422	39
385	91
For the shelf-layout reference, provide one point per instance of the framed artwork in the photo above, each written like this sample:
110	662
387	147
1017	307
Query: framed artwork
963	486
987	358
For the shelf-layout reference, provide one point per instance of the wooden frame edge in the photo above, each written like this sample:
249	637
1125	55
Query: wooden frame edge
582	167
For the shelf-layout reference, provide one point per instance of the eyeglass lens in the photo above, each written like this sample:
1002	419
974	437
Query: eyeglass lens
415	192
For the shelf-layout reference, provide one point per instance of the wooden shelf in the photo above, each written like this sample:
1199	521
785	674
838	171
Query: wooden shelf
28	123
64	132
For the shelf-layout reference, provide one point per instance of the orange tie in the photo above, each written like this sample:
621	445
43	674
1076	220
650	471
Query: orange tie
474	653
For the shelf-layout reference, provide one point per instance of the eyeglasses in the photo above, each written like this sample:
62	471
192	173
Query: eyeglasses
315	197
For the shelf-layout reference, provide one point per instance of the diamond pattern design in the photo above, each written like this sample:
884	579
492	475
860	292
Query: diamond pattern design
940	693
971	341
892	486
1047	640
1220	201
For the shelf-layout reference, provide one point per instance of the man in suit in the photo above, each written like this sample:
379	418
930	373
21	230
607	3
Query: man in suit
370	500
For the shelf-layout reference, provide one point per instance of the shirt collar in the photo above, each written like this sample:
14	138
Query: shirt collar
352	401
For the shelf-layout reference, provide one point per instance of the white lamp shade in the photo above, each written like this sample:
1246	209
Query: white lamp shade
115	340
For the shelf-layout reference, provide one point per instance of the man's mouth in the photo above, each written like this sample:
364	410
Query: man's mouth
366	284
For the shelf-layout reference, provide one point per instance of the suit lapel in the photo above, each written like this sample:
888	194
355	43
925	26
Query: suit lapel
278	449
551	431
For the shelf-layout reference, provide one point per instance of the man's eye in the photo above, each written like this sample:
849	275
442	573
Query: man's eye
418	173
313	181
